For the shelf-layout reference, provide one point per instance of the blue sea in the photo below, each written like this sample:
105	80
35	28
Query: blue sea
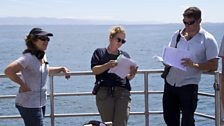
72	46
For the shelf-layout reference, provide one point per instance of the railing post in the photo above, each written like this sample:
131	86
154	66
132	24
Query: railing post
217	86
146	98
51	78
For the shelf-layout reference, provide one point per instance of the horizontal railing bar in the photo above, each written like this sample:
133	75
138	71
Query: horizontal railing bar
89	93
10	117
149	71
205	115
155	112
206	94
7	96
97	114
3	76
67	115
131	113
76	114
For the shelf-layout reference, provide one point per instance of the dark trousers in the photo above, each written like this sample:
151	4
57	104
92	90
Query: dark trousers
114	105
180	99
32	116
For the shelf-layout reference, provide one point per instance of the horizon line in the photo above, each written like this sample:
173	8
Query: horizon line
94	21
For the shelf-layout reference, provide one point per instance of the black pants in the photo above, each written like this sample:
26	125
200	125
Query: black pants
180	99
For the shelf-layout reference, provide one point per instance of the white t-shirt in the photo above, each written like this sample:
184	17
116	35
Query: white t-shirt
221	51
203	47
34	76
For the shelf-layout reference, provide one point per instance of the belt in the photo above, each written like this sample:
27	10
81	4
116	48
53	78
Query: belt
111	90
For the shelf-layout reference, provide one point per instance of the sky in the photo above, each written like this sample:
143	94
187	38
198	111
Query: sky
161	11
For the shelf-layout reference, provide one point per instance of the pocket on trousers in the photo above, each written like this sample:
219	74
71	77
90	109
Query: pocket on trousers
125	94
102	94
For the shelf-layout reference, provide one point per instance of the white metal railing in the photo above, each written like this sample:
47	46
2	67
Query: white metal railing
146	93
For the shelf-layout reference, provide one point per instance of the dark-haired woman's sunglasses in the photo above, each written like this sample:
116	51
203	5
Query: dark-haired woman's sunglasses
121	40
44	38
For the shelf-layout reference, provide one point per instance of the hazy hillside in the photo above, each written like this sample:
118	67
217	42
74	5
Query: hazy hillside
64	21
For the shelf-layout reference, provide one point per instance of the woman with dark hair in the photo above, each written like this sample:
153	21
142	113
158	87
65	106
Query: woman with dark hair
33	65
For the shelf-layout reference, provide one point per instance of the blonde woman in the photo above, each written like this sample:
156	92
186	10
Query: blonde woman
113	93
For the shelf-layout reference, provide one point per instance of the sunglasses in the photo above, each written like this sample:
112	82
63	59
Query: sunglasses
121	40
189	23
44	38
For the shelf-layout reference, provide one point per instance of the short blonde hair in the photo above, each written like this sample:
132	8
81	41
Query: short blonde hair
115	30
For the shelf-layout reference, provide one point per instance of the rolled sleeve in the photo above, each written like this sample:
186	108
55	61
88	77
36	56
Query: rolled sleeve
24	60
211	49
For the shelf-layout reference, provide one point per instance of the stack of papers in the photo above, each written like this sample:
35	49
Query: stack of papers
173	56
123	67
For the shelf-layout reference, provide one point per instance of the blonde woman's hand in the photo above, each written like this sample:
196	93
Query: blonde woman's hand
112	63
133	71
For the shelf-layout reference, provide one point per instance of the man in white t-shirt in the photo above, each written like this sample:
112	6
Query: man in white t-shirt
181	87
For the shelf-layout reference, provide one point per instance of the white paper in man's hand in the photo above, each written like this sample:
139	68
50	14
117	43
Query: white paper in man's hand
158	58
173	56
123	67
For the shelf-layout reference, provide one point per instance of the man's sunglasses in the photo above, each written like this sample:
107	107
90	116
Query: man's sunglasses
44	38
121	40
189	23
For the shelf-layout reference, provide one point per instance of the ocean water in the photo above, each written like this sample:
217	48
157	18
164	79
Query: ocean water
72	46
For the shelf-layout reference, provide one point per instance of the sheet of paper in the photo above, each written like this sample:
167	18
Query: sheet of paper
158	58
172	56
123	67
